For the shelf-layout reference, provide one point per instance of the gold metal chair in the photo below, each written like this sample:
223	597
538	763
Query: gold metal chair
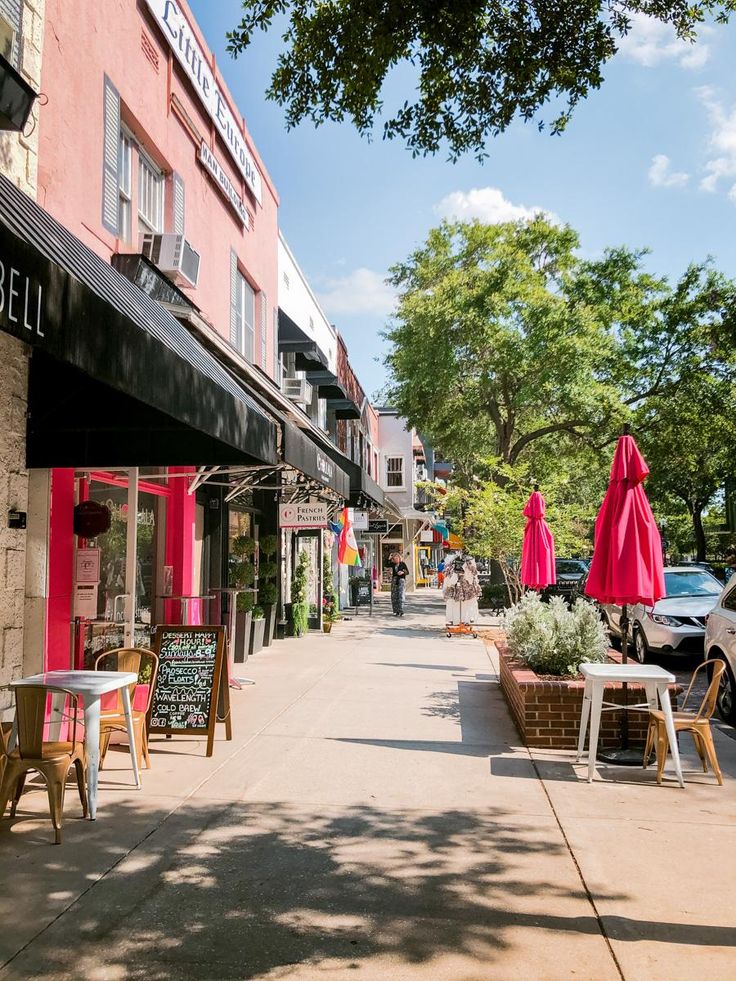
697	723
143	663
52	760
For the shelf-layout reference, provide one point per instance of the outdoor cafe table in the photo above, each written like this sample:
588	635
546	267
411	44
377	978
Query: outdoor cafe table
651	677
91	685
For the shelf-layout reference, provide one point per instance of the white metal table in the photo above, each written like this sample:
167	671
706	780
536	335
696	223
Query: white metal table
655	681
91	685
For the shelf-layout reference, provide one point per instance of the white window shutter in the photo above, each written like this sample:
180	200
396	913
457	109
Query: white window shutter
179	200
111	158
264	321
235	338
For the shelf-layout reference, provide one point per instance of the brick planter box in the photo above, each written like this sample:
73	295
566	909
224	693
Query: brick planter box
547	713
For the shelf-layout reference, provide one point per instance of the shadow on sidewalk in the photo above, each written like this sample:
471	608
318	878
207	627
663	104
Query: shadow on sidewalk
239	890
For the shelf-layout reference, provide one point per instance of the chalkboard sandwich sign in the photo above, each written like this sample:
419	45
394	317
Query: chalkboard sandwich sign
191	693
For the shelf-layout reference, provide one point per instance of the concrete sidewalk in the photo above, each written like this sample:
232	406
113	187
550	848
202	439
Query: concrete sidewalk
375	816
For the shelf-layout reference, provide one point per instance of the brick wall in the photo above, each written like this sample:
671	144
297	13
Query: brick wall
547	713
19	162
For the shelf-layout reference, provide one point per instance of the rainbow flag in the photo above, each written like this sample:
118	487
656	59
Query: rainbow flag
347	546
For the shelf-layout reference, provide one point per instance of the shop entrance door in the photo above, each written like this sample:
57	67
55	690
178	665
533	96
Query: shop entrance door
131	555
311	543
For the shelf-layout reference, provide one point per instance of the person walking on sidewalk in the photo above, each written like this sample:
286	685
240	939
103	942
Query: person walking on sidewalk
399	572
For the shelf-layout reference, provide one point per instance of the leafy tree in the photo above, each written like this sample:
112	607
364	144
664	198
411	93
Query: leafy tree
506	346
474	65
489	516
487	337
689	441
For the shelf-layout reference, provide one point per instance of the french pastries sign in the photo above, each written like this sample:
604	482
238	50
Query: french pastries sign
303	516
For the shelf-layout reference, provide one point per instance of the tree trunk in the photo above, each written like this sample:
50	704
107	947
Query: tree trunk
697	513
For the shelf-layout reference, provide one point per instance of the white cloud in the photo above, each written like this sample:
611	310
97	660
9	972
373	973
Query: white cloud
488	205
360	291
660	174
721	163
651	42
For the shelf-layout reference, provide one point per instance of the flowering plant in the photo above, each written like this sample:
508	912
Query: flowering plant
553	638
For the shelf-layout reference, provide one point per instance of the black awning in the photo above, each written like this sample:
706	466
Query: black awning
343	408
326	383
361	483
303	454
293	340
67	302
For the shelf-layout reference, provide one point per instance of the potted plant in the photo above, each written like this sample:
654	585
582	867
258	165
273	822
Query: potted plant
299	600
242	575
257	626
330	605
268	593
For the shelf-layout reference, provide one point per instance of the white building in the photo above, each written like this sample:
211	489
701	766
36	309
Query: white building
403	467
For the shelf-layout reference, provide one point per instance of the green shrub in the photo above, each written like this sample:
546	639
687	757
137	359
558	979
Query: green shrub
300	603
258	613
244	602
300	618
553	638
269	544
244	547
268	570
494	595
268	594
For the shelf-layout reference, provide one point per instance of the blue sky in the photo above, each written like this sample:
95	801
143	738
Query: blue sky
649	160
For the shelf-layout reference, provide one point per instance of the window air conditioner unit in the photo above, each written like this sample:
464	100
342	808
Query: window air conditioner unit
173	255
298	390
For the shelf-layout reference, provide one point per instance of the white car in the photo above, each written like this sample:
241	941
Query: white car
720	642
676	623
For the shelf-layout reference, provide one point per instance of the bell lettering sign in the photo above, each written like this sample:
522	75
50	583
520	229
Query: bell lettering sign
20	302
299	516
183	42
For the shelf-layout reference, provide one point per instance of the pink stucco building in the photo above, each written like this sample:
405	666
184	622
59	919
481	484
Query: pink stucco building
140	134
140	138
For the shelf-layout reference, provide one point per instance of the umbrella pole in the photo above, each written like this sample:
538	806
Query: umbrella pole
623	756
625	660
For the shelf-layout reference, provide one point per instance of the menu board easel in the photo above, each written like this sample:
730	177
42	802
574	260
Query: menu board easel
192	693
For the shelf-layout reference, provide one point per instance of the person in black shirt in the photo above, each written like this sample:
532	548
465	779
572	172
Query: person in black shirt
399	572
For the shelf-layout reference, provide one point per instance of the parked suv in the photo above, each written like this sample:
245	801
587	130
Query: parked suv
720	642
568	572
676	623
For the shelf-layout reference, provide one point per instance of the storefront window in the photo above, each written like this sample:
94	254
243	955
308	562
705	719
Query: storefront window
106	631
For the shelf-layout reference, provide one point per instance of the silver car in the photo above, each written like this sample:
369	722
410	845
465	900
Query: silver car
675	624
720	642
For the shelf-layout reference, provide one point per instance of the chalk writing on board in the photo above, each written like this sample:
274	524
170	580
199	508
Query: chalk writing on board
185	681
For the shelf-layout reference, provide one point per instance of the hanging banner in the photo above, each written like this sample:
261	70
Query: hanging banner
303	516
360	520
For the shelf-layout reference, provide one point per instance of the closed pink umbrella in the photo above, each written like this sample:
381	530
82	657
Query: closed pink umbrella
538	548
627	560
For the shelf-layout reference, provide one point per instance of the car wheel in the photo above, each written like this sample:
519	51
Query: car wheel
726	698
641	650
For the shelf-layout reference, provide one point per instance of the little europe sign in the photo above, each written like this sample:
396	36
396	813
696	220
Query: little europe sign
191	57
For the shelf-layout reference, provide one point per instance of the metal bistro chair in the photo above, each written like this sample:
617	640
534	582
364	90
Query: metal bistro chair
52	760
144	664
697	723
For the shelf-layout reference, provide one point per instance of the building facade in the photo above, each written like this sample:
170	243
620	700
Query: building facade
21	43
